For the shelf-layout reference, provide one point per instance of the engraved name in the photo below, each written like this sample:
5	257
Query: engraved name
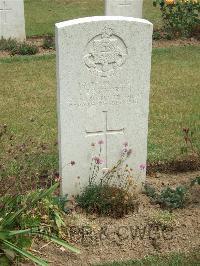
95	94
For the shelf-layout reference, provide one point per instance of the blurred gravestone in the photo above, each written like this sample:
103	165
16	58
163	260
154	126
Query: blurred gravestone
127	8
12	23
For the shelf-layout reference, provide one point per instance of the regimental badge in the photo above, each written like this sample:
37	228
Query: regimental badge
106	53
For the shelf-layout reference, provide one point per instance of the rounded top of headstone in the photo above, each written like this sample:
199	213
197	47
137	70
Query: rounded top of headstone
101	18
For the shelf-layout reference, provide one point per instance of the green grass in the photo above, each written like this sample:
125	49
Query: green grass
41	15
192	259
28	104
151	13
28	107
174	101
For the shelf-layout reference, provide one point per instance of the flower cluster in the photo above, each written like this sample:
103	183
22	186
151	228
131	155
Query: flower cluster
97	160
100	142
180	17
169	2
172	2
126	151
142	166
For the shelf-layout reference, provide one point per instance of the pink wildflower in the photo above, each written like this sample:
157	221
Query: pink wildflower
100	142
142	166
125	144
97	160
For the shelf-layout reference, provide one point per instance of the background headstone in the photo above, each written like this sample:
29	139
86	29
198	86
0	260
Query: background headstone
12	23
127	8
103	74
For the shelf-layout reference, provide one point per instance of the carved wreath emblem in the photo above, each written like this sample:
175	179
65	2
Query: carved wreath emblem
105	53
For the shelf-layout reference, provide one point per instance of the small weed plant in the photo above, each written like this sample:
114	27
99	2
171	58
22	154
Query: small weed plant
195	181
24	49
172	198
115	193
7	45
191	142
163	218
20	48
181	18
169	198
49	42
191	147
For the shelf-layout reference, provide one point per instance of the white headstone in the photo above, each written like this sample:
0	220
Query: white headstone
12	23
103	74
127	8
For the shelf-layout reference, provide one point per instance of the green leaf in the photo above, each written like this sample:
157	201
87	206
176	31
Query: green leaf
4	235
195	181
24	242
59	242
10	254
64	244
17	232
8	219
26	254
58	219
35	197
4	261
49	191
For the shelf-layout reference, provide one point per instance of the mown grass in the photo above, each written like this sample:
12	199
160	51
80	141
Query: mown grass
28	108
174	102
41	15
175	259
28	105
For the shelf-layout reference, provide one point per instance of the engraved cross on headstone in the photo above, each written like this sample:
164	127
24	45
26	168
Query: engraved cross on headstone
105	132
125	3
4	11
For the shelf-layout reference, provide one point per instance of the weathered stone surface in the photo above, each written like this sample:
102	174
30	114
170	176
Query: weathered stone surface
12	23
103	74
127	8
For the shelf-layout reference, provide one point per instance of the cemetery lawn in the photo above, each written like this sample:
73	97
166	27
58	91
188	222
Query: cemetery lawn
28	107
42	15
174	259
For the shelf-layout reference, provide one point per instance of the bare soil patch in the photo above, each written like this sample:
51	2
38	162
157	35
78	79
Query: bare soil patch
189	163
103	239
38	41
178	42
